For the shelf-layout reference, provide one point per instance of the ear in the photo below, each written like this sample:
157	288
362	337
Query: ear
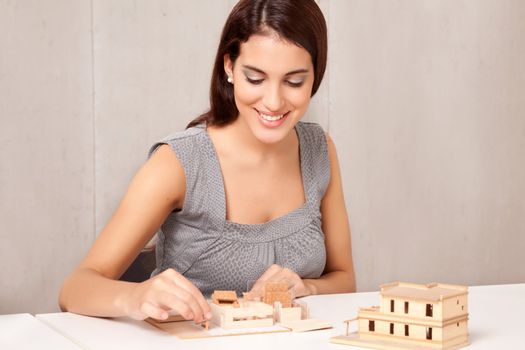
228	65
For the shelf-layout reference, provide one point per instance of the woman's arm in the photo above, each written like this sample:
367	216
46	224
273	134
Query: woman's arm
93	289
338	276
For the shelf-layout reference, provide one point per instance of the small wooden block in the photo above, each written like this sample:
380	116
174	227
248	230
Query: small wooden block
277	292
288	314
272	287
225	297
283	297
305	311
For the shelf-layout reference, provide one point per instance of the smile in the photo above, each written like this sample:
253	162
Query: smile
272	118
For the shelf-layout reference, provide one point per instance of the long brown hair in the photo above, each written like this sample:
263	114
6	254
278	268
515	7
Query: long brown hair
300	22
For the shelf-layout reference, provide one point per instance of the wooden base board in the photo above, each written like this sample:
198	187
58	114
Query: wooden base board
306	325
190	330
354	339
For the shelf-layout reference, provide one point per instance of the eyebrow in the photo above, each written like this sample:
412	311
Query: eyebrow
302	70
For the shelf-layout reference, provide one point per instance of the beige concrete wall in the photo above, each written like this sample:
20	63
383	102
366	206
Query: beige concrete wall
424	100
427	108
46	148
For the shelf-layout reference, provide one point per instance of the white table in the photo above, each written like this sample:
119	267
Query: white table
495	322
23	331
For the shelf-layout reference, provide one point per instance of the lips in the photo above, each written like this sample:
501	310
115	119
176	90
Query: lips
272	119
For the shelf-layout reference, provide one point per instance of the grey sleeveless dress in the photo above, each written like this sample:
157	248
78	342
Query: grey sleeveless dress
217	254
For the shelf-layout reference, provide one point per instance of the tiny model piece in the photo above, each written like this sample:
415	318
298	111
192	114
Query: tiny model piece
277	292
413	316
225	297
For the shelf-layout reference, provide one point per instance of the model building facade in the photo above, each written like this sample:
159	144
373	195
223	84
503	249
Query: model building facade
431	316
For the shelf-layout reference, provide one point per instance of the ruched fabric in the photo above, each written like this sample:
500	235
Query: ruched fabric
217	254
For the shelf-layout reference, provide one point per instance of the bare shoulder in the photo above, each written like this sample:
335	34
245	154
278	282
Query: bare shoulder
330	142
332	153
334	190
163	175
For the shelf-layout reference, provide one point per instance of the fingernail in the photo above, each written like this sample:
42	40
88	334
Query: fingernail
208	315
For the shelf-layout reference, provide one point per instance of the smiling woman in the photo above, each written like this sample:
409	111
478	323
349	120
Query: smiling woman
273	81
247	193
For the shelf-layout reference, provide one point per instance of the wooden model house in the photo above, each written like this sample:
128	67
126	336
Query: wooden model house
247	314
250	312
271	310
231	313
413	316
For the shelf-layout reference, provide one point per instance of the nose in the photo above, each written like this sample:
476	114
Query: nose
273	99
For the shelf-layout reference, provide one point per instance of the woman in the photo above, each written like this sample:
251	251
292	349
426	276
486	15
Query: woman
246	195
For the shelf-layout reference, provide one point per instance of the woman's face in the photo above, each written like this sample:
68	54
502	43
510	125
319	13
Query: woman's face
272	82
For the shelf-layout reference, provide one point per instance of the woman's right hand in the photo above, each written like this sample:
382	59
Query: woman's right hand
168	290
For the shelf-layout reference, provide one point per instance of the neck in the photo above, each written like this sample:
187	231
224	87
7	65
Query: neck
238	136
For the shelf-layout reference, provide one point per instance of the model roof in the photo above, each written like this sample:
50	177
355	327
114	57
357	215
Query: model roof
428	292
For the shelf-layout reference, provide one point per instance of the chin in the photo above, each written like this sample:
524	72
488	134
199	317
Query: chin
270	138
272	135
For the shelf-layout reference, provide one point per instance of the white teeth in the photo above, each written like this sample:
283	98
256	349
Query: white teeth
271	118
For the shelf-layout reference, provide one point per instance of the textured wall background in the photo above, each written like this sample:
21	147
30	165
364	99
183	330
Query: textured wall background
424	100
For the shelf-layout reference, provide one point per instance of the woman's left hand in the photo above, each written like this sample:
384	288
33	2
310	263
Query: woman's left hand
275	273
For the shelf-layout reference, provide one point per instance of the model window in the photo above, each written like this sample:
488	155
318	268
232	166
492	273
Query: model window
406	330
406	307
391	305
371	326
391	328
429	333
430	311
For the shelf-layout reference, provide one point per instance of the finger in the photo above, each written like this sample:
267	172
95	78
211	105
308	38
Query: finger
192	301
197	296
286	276
192	308
293	292
173	302
181	281
271	273
150	310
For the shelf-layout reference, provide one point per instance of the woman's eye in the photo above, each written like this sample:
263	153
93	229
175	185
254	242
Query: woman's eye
290	83
295	84
254	81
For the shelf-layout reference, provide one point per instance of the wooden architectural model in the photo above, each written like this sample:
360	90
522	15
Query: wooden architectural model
276	306
413	316
263	312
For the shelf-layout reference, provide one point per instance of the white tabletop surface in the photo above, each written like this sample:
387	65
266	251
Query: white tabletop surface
23	331
495	322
